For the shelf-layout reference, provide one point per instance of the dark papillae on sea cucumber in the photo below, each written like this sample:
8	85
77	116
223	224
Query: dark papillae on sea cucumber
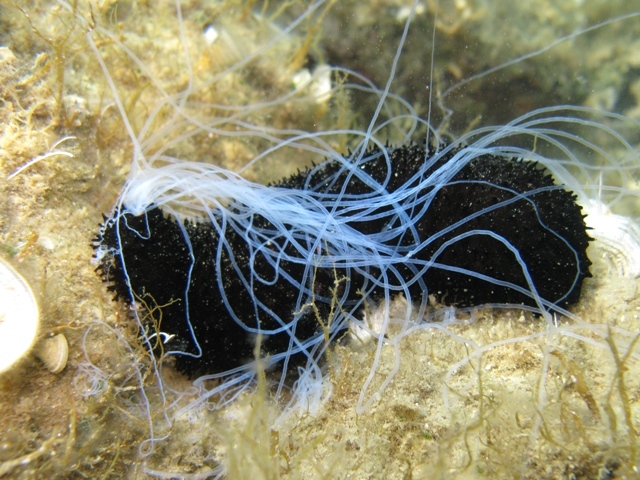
546	228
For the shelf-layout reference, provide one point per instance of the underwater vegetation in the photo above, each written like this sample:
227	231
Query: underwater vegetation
332	252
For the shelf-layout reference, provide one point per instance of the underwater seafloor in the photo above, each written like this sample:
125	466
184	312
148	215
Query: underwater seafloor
538	402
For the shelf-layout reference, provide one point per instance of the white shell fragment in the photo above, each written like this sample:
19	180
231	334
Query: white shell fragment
617	238
54	352
404	12
378	320
18	316
318	82
210	35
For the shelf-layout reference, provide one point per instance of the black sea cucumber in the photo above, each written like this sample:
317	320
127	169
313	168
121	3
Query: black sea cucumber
149	257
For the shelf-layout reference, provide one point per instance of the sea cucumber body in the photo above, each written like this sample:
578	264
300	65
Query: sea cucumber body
218	289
